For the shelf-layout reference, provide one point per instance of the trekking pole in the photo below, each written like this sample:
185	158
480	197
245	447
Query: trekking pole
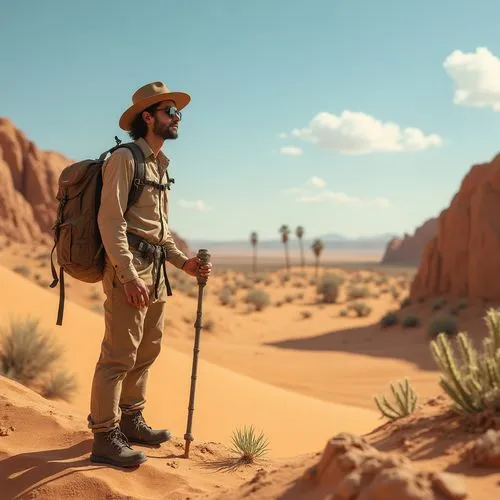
204	257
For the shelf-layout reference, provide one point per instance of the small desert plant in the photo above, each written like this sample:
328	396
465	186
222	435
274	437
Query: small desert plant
225	296
249	446
361	309
328	288
306	314
472	381
60	385
438	304
411	321
22	269
405	302
389	319
442	324
357	292
343	313
258	298
25	352
405	402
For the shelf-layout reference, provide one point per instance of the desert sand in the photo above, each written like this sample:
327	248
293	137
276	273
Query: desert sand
299	371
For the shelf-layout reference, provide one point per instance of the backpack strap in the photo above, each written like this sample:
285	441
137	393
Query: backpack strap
139	172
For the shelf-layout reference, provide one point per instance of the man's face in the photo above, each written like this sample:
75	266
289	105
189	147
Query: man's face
166	125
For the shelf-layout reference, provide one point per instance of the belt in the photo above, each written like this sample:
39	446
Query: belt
152	253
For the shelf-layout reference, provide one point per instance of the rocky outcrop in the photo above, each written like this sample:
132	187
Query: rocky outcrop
463	259
409	249
352	469
29	177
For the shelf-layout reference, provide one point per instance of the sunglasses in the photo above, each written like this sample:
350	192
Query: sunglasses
171	112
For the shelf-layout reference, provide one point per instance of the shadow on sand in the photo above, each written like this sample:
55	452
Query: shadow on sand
29	471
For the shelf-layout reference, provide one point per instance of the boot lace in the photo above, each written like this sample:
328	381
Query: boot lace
139	422
118	439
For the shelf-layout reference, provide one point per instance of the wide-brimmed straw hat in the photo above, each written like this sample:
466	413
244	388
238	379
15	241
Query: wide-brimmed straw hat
151	94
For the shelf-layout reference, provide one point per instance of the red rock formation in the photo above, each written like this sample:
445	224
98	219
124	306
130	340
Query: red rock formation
463	259
409	248
29	177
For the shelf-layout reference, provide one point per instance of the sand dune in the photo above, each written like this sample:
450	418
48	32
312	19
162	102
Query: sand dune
224	399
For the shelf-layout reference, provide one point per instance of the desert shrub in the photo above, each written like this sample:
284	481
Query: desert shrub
389	319
438	304
26	353
411	321
225	296
471	379
258	298
381	280
395	292
357	292
328	288
343	313
279	303
22	269
306	314
248	445
259	278
60	385
289	298
405	399
285	278
462	304
98	308
361	309
94	295
405	302
442	324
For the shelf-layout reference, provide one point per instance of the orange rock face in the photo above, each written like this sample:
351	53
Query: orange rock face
29	178
409	249
463	259
29	181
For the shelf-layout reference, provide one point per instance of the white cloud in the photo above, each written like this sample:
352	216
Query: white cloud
476	77
316	182
380	202
357	133
199	205
304	195
291	151
283	135
336	197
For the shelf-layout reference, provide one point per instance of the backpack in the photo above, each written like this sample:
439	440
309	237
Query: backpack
77	240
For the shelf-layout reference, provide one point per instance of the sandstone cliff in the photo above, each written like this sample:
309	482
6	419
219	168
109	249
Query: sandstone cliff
29	177
408	250
463	259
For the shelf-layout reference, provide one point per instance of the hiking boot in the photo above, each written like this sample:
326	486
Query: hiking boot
137	431
112	448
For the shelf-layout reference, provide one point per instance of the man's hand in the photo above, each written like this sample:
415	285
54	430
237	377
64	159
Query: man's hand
192	265
137	293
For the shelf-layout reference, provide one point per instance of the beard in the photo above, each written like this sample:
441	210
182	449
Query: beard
165	131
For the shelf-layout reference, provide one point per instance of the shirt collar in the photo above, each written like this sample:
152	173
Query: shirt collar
162	159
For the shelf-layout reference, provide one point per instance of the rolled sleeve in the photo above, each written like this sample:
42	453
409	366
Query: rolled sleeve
174	255
117	178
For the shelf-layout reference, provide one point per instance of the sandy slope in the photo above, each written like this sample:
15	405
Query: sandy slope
224	399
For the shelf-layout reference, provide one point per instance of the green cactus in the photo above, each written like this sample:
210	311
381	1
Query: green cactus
471	379
406	401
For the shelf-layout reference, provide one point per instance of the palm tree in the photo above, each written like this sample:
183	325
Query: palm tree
300	233
253	240
317	248
285	231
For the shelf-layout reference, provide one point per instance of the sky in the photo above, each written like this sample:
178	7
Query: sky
348	117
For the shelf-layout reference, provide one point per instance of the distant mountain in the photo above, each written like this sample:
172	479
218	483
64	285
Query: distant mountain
332	241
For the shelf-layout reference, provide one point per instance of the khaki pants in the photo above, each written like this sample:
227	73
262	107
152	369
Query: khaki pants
132	341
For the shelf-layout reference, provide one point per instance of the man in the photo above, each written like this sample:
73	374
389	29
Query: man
137	242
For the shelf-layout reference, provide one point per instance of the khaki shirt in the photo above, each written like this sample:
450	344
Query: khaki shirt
147	218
